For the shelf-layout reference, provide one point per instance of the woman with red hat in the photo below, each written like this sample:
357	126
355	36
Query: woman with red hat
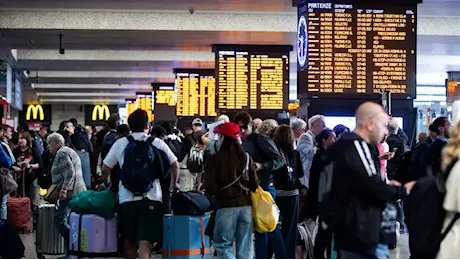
230	176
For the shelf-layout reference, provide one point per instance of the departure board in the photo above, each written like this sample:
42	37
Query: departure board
196	92
145	102
356	49
131	106
252	77
165	95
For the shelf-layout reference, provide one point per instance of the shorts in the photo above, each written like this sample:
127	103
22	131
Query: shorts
141	220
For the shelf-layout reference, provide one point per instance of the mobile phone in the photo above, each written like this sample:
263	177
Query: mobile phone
394	150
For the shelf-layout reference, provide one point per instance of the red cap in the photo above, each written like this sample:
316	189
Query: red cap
229	129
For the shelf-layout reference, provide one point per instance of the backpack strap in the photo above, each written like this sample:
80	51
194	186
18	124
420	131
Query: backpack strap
246	168
450	226
130	138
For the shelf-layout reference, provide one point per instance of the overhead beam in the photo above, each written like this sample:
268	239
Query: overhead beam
89	86
101	74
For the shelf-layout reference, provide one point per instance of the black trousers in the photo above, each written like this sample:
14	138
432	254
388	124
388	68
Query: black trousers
289	209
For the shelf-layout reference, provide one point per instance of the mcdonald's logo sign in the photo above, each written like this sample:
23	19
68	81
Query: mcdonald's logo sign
100	112
35	112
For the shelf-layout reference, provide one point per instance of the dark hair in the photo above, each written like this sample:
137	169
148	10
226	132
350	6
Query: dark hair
437	123
431	128
67	140
198	136
24	126
167	127
44	128
15	138
94	129
159	131
323	135
114	121
123	130
5	127
100	137
138	121
62	125
176	131
339	129
26	135
243	117
73	121
284	136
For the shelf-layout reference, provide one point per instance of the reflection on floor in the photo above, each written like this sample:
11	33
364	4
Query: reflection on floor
401	252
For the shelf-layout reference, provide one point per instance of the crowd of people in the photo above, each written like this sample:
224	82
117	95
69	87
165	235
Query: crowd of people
351	186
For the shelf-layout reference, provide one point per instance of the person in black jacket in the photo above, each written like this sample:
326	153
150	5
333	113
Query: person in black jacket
364	221
432	158
83	147
267	159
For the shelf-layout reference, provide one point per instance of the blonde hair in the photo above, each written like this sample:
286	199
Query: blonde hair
268	127
452	149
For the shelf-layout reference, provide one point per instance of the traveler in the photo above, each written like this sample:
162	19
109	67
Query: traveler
212	145
41	137
5	162
268	128
66	173
340	129
449	246
396	144
299	127
267	160
364	219
84	148
287	184
226	175
257	123
140	214
432	158
422	137
66	129
187	180
433	134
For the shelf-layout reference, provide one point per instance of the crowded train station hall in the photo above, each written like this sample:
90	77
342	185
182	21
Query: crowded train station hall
229	129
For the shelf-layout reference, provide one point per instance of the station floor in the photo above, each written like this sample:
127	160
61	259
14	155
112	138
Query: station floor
401	252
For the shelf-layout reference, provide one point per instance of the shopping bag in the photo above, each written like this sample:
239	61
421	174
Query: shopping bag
265	213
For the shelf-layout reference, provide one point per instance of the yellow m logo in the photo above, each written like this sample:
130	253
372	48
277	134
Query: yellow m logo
37	113
100	112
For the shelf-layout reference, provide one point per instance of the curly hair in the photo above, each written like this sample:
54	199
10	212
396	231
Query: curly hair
452	149
268	127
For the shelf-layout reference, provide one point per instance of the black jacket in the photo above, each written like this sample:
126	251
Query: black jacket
263	150
395	142
433	155
364	194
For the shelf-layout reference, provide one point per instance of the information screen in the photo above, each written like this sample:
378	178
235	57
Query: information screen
131	106
356	49
196	92
252	77
165	95
145	102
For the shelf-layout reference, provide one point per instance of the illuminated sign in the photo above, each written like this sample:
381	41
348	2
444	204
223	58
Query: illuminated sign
358	49
100	113
252	77
165	95
302	41
35	112
145	102
131	106
196	92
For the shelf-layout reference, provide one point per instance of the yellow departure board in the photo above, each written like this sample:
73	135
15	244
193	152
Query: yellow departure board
131	106
145	102
252	77
165	95
356	49
195	92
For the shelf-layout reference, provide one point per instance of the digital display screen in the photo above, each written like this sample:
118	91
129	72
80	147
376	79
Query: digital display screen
145	102
350	121
165	95
131	106
356	49
196	92
252	77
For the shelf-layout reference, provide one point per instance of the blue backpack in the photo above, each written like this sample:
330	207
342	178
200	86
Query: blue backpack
138	171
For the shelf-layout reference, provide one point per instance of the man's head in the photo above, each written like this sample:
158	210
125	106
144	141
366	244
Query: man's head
432	131
316	124
138	121
244	120
299	127
159	132
70	127
114	121
7	133
43	131
256	123
371	122
393	127
441	126
197	125
224	118
74	121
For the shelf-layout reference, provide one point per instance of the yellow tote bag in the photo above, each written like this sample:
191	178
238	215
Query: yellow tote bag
265	213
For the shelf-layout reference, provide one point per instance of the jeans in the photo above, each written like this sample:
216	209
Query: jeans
262	239
351	255
234	224
289	209
382	251
3	210
61	220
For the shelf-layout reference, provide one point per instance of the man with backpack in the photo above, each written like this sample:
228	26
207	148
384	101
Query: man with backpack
354	199
144	180
84	148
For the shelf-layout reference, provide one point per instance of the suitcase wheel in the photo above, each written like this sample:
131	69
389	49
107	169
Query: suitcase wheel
40	256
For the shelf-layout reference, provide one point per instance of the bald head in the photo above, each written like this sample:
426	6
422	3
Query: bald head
371	122
224	118
257	122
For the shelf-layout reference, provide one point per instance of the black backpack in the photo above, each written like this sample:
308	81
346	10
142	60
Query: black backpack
330	208
285	178
107	143
425	213
195	161
138	171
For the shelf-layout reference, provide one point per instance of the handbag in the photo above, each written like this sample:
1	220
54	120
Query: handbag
7	183
52	195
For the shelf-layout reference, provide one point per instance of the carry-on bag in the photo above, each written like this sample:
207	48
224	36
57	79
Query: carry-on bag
11	246
190	203
48	240
184	238
92	236
18	207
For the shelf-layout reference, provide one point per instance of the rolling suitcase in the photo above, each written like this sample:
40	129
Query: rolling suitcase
11	246
19	210
184	238
92	236
48	239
